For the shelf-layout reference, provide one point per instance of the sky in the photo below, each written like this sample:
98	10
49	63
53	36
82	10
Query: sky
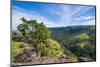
53	15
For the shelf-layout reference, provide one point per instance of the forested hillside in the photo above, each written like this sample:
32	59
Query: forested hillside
80	40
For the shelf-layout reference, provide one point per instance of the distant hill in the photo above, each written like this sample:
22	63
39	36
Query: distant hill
72	30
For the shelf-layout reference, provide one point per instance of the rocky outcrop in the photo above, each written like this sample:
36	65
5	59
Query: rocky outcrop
33	56
28	55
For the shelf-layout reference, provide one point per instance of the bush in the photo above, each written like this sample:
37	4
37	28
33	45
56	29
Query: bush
50	48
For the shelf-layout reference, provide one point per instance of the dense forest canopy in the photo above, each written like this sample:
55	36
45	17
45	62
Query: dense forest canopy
80	40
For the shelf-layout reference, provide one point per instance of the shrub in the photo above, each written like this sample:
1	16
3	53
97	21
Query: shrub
50	48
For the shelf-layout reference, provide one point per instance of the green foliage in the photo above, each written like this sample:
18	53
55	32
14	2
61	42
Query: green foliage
17	48
83	44
72	56
42	32
89	51
83	36
79	40
50	48
30	29
22	28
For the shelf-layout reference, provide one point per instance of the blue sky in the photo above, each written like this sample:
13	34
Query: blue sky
53	15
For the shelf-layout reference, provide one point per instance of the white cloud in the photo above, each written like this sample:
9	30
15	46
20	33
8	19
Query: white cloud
83	10
84	19
19	13
90	22
68	13
87	17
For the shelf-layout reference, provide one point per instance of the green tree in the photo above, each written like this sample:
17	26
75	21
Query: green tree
23	27
33	30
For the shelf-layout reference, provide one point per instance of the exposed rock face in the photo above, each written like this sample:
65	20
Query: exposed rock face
33	56
28	54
